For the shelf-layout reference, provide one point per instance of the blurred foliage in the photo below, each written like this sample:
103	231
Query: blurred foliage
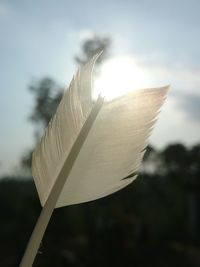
153	222
92	46
47	95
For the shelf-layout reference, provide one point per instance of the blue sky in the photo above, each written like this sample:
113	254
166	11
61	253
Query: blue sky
40	38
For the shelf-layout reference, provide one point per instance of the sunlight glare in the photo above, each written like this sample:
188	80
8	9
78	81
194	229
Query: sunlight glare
119	76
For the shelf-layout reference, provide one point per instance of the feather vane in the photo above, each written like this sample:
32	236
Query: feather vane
113	150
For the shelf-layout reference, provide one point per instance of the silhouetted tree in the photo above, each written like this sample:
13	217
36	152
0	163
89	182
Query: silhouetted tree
175	158
92	46
47	95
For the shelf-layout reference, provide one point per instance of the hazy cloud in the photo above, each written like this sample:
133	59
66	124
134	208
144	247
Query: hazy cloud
4	10
189	104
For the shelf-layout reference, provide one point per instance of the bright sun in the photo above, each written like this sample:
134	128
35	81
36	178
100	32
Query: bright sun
119	76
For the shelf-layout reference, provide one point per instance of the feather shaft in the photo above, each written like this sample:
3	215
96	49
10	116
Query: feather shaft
50	204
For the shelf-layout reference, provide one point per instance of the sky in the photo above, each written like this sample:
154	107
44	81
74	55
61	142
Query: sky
41	38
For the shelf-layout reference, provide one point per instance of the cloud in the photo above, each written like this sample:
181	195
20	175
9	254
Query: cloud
189	104
86	34
185	85
4	10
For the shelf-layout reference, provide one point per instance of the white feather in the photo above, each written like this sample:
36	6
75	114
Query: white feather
114	147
